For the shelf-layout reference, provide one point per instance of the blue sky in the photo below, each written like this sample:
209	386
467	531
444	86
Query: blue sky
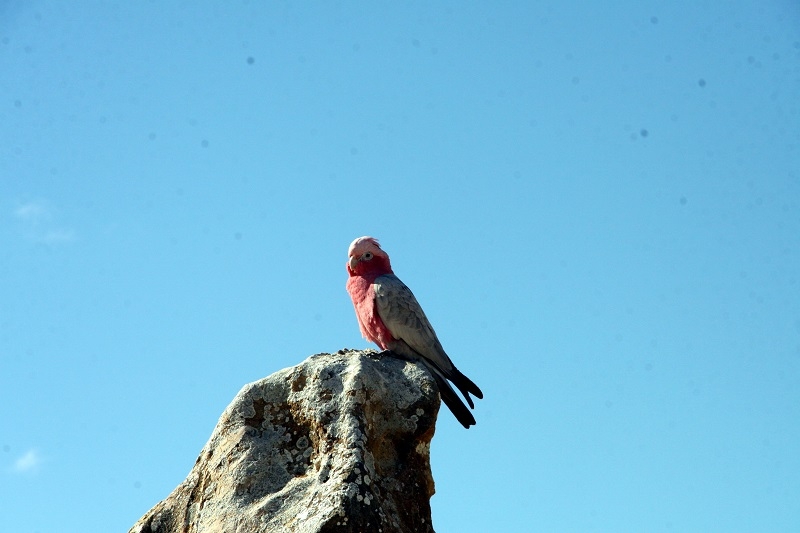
598	206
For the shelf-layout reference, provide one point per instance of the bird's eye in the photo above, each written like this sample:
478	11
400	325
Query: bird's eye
367	256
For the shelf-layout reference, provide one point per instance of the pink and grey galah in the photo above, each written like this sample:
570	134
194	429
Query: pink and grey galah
390	316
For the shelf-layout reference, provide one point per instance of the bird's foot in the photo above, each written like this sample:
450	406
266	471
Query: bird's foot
377	355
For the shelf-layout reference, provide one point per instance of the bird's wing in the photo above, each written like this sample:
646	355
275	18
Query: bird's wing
406	321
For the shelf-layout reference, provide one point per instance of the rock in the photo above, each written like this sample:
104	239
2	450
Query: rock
339	442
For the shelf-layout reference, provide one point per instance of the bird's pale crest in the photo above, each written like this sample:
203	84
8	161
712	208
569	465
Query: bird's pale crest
363	245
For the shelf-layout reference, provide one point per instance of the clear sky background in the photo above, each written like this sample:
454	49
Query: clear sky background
597	204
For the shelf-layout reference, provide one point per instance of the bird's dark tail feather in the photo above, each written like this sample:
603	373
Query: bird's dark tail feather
453	402
465	385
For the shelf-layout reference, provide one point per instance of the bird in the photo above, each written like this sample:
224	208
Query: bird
390	316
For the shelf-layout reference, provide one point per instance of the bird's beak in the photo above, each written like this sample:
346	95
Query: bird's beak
353	261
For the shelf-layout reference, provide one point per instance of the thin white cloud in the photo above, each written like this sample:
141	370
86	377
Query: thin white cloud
28	462
37	220
33	212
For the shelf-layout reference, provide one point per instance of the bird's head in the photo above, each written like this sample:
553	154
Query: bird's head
365	256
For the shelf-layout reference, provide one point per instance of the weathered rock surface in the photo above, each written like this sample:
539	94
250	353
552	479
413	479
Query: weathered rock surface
338	443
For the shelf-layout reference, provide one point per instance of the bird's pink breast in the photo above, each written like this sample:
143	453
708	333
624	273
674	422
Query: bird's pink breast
363	295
